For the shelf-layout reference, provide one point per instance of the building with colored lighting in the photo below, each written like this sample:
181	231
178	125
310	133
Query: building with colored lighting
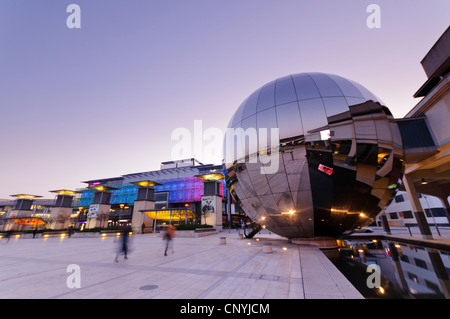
343	158
177	190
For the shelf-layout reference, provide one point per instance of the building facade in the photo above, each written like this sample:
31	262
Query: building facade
426	136
399	212
177	194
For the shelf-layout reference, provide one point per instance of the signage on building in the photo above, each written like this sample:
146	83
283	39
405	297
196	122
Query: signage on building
93	211
208	204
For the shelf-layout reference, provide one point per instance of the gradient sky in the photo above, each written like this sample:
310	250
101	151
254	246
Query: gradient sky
103	100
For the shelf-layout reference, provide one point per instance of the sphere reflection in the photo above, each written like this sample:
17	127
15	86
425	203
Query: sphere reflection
313	154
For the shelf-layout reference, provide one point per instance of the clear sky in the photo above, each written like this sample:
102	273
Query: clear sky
102	101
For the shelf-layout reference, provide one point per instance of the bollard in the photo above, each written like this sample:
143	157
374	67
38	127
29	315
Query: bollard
267	248
223	240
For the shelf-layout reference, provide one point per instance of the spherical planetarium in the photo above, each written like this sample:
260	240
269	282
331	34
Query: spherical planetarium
330	168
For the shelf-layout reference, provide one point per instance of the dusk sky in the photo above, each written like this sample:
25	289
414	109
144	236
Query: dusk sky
102	100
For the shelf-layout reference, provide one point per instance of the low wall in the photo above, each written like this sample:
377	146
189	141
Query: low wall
192	233
110	233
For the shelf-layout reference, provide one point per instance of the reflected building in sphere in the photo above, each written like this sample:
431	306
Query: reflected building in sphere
337	156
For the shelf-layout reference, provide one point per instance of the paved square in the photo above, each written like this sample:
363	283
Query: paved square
199	268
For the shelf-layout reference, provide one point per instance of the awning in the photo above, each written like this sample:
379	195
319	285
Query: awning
170	214
29	221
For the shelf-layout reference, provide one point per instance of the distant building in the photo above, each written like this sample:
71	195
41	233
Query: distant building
178	187
399	212
425	132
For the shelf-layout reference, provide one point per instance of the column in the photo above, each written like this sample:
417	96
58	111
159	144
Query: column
145	201
228	210
441	272
417	208
62	209
385	224
398	267
443	197
99	210
211	208
22	209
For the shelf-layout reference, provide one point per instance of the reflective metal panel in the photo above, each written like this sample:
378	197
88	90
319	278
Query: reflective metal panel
327	87
366	93
250	105
289	121
313	115
337	156
266	97
305	87
285	91
238	115
335	105
348	88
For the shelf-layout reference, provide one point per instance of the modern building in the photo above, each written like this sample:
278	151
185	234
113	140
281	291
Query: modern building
176	195
24	212
425	133
399	212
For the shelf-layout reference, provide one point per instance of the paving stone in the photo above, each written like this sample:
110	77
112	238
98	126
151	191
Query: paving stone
199	268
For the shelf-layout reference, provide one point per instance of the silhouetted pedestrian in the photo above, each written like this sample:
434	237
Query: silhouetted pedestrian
71	231
123	244
168	237
34	232
8	235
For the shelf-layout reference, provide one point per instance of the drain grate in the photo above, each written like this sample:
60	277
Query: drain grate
148	287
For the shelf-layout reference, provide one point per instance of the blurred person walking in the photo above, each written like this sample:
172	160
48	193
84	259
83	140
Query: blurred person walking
168	237
8	235
123	244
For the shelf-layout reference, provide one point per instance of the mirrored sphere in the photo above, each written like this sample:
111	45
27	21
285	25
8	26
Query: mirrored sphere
313	154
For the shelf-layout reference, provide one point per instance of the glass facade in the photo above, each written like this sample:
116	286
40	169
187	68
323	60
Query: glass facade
180	190
339	156
415	133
